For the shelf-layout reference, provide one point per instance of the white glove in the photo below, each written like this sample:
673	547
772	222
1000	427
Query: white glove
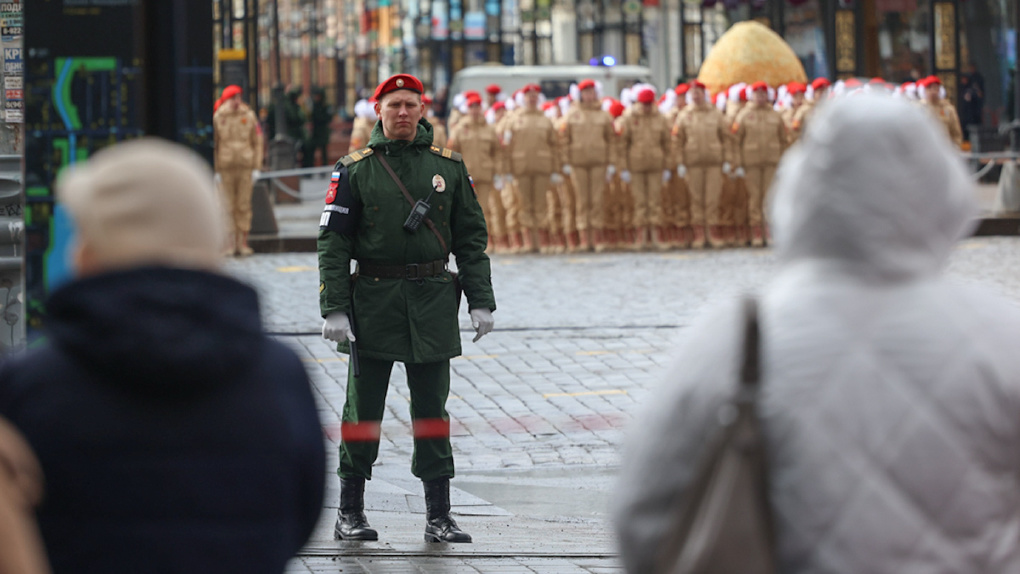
681	171
726	168
739	172
666	175
611	170
507	136
556	178
218	179
566	170
497	183
482	321
255	174
337	327
625	176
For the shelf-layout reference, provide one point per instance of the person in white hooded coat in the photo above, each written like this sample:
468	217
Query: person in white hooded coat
890	394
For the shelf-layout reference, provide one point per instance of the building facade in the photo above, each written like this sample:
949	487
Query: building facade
347	46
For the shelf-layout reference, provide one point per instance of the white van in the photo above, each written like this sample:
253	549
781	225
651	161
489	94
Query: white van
555	80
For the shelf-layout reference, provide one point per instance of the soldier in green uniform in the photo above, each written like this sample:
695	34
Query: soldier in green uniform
402	304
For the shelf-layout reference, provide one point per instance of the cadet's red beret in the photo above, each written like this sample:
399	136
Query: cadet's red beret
426	100
473	100
852	83
932	80
762	86
532	88
548	105
796	88
398	82
698	84
820	83
876	80
742	95
586	84
681	89
646	96
472	94
616	109
498	106
230	91
493	89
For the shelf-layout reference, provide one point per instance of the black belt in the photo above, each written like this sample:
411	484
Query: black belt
411	272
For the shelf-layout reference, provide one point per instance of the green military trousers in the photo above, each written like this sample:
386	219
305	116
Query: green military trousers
429	384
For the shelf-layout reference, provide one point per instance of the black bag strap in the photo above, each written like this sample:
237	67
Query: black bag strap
750	369
410	200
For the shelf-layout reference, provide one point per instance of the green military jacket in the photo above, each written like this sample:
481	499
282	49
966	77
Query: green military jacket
398	319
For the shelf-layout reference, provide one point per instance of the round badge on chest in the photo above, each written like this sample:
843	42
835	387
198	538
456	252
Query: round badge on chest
438	183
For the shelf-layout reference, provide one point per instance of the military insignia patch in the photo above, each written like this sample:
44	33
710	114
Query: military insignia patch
322	287
471	180
333	184
438	183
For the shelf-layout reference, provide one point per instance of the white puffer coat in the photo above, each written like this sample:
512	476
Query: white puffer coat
891	396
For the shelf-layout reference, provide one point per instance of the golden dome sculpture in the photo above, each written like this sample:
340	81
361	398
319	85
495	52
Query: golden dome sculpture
750	52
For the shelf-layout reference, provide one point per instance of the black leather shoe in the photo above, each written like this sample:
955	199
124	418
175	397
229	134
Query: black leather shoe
439	526
351	523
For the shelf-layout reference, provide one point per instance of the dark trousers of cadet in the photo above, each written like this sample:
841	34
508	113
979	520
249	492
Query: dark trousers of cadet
429	384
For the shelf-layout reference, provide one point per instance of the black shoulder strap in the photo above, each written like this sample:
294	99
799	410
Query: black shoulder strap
750	370
410	200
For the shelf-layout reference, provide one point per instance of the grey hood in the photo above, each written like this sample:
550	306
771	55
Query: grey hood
874	185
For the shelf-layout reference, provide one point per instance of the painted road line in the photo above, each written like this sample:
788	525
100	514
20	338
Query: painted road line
296	269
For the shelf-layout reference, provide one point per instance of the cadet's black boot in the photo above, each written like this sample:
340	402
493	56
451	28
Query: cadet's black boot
351	523
439	526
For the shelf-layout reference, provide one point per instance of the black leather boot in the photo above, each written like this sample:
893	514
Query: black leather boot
439	527
351	523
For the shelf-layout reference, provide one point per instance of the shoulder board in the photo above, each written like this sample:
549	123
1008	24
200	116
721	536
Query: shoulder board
354	157
447	153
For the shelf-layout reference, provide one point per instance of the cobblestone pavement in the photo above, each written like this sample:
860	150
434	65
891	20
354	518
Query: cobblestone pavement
539	407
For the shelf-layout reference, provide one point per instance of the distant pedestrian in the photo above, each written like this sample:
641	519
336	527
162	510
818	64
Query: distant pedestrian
890	396
322	120
237	143
173	434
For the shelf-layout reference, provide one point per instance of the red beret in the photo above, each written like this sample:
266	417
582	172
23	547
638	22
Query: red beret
586	84
532	88
820	83
646	96
499	106
493	89
698	84
876	81
932	80
682	89
473	100
426	100
852	83
616	109
759	86
230	91
796	88
548	105
398	82
742	96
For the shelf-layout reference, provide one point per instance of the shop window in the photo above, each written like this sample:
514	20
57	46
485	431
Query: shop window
903	39
805	33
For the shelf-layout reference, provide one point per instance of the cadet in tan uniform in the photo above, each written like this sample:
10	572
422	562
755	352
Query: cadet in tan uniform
617	197
503	182
676	203
568	198
364	121
942	110
439	133
532	148
477	141
820	90
760	139
645	156
238	147
588	136
701	141
796	91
